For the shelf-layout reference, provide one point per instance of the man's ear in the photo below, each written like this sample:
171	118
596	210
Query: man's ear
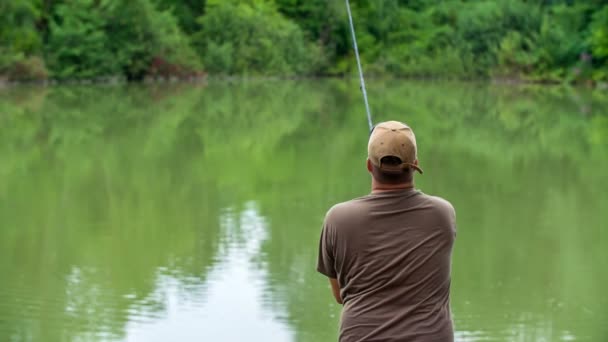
369	165
416	161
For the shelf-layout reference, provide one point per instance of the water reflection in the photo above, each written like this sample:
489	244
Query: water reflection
229	309
124	217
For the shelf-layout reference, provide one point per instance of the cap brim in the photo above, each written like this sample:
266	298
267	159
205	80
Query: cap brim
399	168
415	167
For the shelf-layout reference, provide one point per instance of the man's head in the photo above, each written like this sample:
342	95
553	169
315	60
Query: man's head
392	153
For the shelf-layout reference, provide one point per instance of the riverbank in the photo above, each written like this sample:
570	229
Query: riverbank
4	83
549	42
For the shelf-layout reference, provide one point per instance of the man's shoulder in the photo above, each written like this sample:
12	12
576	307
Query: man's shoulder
347	209
438	202
442	210
356	208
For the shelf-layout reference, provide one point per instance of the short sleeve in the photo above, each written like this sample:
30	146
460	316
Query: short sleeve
326	259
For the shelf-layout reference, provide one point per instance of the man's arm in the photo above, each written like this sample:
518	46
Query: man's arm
326	261
335	289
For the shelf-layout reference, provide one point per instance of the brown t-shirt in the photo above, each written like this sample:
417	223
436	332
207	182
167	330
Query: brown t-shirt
391	253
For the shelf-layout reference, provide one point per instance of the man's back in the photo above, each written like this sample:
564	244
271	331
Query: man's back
391	253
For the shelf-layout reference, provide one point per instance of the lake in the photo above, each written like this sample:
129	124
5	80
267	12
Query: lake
192	212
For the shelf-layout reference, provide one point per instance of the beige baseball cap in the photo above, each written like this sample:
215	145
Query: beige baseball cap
393	139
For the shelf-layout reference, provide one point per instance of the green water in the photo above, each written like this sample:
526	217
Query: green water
192	212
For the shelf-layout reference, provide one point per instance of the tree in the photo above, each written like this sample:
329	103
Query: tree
91	39
599	41
20	43
237	38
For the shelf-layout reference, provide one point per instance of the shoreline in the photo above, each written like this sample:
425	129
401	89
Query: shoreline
205	79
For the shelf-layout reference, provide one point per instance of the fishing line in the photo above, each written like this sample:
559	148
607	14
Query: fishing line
352	30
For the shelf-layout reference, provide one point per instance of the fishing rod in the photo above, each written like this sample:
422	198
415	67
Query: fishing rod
352	30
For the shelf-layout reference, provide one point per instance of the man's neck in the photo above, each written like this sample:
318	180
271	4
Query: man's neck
379	187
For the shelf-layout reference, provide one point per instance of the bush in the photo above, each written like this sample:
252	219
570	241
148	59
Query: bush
499	35
91	39
142	34
27	69
555	40
256	39
18	32
78	43
599	42
20	43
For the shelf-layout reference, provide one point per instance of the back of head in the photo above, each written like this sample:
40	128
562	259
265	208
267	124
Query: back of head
392	152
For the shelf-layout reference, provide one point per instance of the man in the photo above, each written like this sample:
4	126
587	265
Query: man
388	254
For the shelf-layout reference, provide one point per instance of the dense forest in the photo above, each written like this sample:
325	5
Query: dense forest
534	40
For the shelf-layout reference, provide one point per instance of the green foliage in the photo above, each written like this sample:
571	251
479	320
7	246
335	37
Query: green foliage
599	43
77	46
530	40
324	24
186	12
17	23
599	35
253	37
141	33
497	33
20	42
115	37
404	42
